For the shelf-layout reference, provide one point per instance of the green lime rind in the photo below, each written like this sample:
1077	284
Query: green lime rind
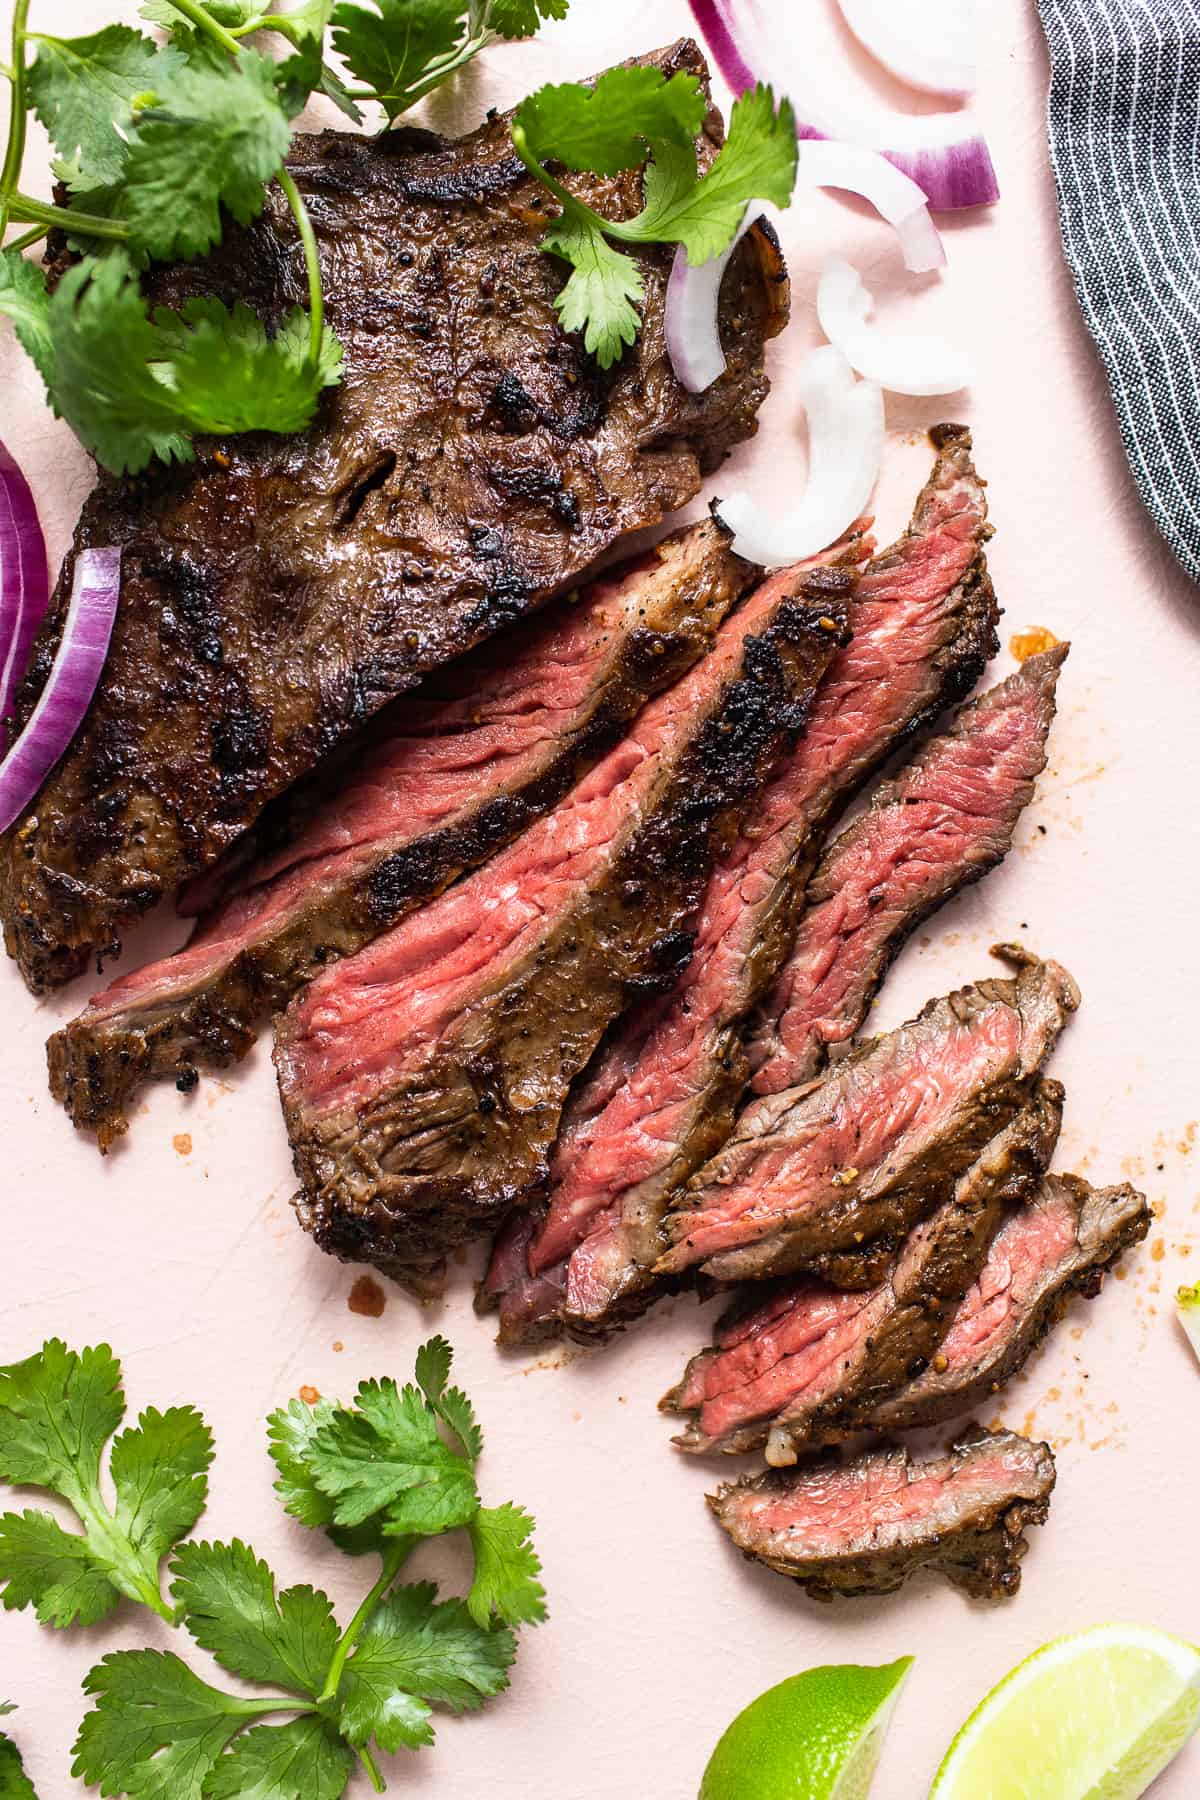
816	1736
1095	1715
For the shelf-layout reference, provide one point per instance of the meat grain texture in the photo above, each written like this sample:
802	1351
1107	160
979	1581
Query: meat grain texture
278	591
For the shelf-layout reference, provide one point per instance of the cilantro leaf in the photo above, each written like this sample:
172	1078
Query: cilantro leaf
303	1760
231	1608
303	24
24	300
234	15
521	18
393	45
83	88
52	1570
14	1782
133	388
413	1654
387	1457
156	1729
57	1411
290	1430
216	136
602	293
613	125
756	162
159	1470
450	1404
506	1568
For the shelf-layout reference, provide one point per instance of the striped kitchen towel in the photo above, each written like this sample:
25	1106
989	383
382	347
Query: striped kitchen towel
1124	119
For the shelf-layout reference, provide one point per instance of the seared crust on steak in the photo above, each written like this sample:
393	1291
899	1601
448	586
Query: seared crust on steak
423	1080
280	590
864	1526
452	774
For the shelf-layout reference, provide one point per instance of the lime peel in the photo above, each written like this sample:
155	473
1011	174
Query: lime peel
816	1736
1096	1715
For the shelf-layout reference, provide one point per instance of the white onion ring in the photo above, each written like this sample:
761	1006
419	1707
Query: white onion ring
903	363
894	195
930	44
691	323
845	449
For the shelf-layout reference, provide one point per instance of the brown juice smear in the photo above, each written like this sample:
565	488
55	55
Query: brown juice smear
366	1297
1031	642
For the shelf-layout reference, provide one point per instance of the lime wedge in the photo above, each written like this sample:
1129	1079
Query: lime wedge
814	1737
1094	1716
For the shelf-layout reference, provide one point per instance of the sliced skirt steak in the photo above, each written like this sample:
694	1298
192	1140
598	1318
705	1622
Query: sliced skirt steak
1059	1246
662	1093
278	591
423	1079
945	821
454	772
800	1368
865	1526
879	1142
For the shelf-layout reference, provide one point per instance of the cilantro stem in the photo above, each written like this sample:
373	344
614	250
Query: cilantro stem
39	212
393	1557
130	1575
17	119
521	146
191	9
369	1764
27	239
308	238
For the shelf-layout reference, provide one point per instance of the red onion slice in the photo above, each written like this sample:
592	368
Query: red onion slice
845	449
691	323
67	694
930	44
24	580
943	153
904	363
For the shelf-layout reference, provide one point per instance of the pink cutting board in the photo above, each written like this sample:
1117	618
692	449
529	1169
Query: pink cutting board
181	1250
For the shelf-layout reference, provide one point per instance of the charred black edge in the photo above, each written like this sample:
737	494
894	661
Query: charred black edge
719	773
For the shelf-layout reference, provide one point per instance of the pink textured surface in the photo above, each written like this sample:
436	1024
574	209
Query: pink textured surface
187	1260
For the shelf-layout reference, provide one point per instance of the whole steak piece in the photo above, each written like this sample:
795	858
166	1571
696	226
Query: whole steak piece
865	1526
278	591
423	1080
454	773
880	1141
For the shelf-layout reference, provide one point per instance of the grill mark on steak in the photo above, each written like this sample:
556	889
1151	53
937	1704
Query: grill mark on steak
661	1097
864	1526
453	774
943	823
279	591
877	1143
1059	1246
423	1079
807	1366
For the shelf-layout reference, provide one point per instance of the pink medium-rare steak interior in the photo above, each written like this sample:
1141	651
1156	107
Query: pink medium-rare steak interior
946	820
354	1026
648	1112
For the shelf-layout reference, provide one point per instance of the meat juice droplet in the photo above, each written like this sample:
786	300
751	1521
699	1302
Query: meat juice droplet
183	1143
366	1297
1031	642
310	1395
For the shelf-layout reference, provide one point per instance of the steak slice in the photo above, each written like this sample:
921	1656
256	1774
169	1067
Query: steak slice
1059	1246
455	772
881	1140
662	1094
423	1079
944	822
802	1368
280	590
865	1526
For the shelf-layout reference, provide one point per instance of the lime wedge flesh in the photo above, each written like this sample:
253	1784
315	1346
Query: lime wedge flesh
815	1737
1094	1716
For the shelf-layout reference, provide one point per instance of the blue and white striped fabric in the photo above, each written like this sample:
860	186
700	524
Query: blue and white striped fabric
1124	119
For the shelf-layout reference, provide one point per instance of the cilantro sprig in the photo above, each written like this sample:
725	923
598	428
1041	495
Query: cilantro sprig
14	1782
161	141
635	116
395	1466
